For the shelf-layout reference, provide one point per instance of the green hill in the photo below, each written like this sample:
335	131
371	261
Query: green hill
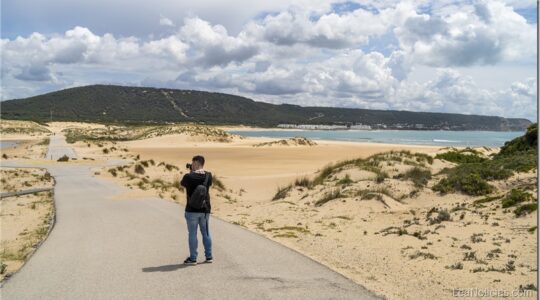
108	103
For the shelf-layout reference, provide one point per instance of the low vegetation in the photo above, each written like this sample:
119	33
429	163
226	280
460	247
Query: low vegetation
282	192
64	158
109	103
331	195
29	216
133	132
419	176
295	141
516	196
526	209
22	127
467	155
471	178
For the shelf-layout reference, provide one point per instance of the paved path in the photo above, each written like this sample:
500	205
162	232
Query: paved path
101	248
58	147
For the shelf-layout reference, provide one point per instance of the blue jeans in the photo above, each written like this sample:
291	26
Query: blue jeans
194	220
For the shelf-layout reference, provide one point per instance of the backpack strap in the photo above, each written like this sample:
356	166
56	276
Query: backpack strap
206	180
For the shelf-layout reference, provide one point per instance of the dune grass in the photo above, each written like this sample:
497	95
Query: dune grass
282	192
329	196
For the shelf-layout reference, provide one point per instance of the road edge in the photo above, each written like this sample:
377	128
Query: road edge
52	222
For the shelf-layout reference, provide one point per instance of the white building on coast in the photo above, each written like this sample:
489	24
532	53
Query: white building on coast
324	127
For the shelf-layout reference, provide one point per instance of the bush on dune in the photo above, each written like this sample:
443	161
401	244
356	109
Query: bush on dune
526	209
418	176
525	143
471	178
64	158
516	196
461	157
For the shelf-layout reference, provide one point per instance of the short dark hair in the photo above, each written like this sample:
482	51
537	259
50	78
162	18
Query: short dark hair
199	158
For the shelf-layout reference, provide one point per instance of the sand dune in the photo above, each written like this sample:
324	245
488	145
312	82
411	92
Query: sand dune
390	235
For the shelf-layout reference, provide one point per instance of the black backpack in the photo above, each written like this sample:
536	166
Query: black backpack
200	198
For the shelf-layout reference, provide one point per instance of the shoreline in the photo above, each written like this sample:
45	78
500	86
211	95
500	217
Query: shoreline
254	128
384	137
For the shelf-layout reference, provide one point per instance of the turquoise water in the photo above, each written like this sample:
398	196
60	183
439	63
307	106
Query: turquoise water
415	137
8	144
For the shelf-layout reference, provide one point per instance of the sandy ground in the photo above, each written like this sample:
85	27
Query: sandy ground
31	139
479	247
348	234
25	219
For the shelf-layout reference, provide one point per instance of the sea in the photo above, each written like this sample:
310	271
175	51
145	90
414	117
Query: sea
7	144
409	137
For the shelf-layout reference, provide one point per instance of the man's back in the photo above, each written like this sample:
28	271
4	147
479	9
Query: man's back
190	181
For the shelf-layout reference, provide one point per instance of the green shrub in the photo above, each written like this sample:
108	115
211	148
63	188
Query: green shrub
64	158
518	155
526	209
421	157
470	184
139	169
418	176
461	157
525	143
515	196
442	216
520	162
487	199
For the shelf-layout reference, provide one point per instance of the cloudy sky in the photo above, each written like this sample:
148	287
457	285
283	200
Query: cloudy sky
474	57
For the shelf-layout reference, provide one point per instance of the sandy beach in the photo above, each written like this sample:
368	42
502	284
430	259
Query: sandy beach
395	239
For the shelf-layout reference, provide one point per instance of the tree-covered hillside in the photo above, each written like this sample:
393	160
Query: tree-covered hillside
108	103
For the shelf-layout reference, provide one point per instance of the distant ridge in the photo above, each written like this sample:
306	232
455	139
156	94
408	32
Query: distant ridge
110	103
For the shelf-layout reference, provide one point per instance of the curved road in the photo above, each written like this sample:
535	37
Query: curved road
133	249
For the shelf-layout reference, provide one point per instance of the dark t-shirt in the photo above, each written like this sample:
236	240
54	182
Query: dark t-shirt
190	181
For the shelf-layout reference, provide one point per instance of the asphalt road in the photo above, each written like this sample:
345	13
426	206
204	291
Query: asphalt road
101	248
58	147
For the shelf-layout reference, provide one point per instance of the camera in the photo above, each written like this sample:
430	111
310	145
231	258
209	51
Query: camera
188	166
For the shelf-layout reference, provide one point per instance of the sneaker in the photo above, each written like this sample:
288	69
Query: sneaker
188	261
209	260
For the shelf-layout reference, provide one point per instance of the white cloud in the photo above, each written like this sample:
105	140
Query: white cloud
452	92
165	21
329	30
169	49
214	46
305	54
484	33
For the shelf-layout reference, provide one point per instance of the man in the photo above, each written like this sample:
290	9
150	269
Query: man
197	217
